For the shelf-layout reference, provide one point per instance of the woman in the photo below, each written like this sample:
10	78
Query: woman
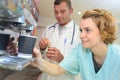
97	58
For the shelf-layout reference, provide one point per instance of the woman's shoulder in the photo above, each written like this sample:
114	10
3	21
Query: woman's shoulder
78	46
114	54
114	49
115	46
79	49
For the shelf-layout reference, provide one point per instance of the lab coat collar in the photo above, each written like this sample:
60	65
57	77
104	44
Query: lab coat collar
68	25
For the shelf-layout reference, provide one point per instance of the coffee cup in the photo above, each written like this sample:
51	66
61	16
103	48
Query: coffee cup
26	44
4	40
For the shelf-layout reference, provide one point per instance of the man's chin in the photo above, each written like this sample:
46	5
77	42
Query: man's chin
62	24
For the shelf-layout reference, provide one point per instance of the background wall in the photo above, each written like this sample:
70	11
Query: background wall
118	34
40	29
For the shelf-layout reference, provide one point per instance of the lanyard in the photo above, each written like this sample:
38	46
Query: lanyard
73	33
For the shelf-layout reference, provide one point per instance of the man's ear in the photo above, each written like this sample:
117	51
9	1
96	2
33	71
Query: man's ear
71	10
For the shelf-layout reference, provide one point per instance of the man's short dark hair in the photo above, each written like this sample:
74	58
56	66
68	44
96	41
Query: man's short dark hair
58	2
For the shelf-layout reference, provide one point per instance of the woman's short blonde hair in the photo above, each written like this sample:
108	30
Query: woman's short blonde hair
105	22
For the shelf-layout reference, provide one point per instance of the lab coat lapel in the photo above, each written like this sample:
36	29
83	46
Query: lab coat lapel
55	37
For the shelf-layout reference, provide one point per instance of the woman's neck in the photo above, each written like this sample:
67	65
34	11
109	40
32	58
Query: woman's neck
100	52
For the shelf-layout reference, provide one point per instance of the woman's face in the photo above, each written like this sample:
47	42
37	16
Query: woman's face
90	35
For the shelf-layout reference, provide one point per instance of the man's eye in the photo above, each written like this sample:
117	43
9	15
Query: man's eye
62	11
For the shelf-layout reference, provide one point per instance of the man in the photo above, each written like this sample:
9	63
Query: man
60	38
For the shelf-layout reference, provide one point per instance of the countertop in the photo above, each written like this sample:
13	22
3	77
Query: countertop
29	73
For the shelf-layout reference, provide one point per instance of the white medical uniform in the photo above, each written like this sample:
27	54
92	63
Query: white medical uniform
80	60
65	39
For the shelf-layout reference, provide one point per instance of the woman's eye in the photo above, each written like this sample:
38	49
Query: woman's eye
80	30
88	30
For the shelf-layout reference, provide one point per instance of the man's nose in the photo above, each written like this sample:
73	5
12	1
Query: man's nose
59	14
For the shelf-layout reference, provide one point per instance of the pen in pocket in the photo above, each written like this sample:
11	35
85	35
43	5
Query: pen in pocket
65	41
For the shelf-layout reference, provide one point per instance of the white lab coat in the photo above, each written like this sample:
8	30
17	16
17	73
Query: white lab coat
62	39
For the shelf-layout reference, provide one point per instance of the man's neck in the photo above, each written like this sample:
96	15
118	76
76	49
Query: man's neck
62	25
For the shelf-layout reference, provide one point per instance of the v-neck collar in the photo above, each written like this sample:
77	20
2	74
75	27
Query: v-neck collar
102	67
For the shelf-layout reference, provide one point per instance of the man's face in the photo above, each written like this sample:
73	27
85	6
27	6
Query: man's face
62	13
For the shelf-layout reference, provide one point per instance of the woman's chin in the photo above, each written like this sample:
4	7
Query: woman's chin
86	46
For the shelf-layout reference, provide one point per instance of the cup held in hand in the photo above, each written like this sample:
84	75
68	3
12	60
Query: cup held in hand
26	44
4	40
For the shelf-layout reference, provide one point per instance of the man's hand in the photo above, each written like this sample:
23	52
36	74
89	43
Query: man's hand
44	43
54	54
12	47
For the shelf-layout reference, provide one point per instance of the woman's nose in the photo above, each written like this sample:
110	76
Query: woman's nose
82	34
